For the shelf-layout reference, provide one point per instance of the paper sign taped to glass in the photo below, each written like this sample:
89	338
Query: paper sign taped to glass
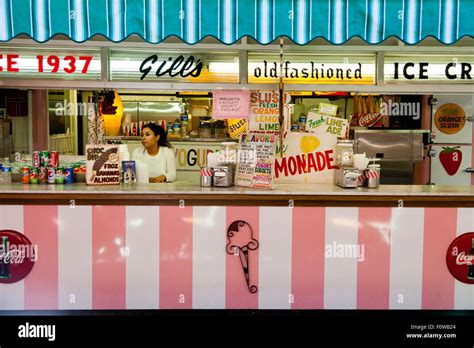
256	160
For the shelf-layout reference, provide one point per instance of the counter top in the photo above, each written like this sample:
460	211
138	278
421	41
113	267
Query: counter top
281	189
298	194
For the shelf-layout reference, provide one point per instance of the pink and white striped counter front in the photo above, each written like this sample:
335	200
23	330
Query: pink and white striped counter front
171	257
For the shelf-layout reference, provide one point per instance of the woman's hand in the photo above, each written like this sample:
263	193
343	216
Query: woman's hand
158	179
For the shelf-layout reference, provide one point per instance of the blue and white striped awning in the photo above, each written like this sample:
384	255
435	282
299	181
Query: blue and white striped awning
229	20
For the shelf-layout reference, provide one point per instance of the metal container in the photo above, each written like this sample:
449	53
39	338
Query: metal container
373	176
206	176
346	177
345	153
206	181
223	176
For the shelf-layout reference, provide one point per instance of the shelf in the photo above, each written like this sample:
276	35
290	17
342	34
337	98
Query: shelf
172	140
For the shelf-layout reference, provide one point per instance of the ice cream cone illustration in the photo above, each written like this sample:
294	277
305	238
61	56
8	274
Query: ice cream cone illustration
239	241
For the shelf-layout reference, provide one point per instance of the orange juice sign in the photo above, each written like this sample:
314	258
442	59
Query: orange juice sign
450	118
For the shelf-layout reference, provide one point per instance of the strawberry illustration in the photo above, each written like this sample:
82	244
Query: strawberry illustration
451	159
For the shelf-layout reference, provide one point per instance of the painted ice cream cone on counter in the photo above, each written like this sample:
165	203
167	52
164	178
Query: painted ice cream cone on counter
239	241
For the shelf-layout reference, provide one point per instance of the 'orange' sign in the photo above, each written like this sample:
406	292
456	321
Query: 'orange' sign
450	118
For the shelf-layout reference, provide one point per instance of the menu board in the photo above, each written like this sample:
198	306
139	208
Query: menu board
255	161
102	166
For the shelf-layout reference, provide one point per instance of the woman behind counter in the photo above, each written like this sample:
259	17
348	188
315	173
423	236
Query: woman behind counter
157	154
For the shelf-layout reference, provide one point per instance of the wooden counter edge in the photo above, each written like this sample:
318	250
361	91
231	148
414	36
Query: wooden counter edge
236	200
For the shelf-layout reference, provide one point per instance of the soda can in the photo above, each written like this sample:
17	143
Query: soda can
34	173
68	175
43	175
59	175
44	158
25	175
54	159
35	160
51	175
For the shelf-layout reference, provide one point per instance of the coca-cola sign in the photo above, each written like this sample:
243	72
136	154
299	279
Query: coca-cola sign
17	256
460	258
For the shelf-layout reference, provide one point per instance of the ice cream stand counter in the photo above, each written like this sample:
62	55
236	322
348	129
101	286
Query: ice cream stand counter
176	246
164	247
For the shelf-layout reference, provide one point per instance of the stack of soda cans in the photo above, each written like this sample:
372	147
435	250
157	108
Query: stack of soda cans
45	169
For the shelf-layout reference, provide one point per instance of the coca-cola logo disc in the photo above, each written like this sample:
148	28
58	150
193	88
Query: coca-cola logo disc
17	256
460	258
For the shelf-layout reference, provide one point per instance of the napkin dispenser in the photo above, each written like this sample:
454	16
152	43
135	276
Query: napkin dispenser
346	177
223	176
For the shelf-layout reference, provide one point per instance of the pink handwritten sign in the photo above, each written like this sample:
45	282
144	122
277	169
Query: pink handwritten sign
231	104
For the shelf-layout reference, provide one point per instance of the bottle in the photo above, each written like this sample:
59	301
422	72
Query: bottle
7	171
4	259
470	273
184	118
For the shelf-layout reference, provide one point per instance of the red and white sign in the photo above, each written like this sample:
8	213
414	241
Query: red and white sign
460	258
17	256
49	63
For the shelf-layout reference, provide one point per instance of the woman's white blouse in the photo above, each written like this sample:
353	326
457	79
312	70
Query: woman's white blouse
163	163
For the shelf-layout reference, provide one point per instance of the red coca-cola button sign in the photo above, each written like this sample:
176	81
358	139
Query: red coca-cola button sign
17	256
460	258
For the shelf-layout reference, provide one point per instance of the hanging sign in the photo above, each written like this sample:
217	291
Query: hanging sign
265	110
230	104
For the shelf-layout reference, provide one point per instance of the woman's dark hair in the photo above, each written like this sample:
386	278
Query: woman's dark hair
158	130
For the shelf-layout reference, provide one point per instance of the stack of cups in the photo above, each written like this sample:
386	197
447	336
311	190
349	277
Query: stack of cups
206	177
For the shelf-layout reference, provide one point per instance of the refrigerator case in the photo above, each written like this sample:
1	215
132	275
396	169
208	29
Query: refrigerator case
451	155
